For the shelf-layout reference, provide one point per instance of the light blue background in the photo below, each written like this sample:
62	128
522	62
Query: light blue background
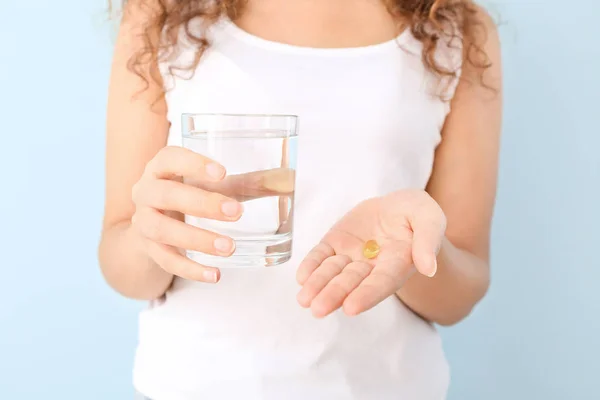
64	335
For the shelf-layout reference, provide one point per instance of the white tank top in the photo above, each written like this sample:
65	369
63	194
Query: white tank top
369	121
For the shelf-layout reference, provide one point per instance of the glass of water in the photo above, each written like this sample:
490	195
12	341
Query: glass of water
259	153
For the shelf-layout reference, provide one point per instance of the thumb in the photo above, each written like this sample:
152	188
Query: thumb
253	185
428	232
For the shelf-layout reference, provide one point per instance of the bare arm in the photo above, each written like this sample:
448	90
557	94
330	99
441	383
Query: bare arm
464	185
144	235
136	131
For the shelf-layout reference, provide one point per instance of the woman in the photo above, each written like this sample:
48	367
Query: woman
400	107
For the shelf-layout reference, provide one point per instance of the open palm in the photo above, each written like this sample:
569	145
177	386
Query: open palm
408	225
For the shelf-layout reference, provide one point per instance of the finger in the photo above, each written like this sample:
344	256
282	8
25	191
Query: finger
312	261
320	278
159	228
175	196
178	161
253	185
428	232
333	295
172	261
391	270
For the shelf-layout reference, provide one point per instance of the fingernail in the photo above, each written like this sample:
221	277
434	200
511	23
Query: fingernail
210	276
434	269
231	208
223	245
215	171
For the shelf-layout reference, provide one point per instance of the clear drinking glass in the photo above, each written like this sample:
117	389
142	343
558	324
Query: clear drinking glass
259	153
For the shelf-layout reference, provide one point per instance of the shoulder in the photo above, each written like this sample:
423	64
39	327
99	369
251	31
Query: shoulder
481	42
472	51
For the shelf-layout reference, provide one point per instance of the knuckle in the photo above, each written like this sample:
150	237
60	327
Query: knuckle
167	152
194	200
152	165
323	250
352	276
340	261
209	202
160	159
152	227
202	242
184	201
163	198
136	193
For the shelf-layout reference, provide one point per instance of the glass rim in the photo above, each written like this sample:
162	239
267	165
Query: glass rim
184	115
264	122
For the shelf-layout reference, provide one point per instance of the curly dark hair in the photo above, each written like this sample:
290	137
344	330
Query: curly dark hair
428	20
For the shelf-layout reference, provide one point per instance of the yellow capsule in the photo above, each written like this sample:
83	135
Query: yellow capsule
371	249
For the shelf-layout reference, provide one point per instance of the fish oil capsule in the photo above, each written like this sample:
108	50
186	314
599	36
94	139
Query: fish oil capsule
371	249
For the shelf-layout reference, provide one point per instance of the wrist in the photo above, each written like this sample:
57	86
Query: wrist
127	267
